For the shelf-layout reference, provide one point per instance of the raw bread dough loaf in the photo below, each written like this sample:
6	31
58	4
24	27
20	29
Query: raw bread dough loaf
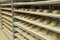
26	9
56	12
28	17
28	36
46	11
46	21
32	10
37	29
21	16
55	36
39	20
45	32
31	26
24	23
22	9
53	23
33	18
39	10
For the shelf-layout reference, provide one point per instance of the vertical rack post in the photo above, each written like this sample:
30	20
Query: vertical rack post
12	18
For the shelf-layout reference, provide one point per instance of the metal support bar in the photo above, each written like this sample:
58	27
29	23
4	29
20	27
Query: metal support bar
12	18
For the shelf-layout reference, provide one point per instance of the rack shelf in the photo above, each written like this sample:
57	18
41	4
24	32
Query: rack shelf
25	34
7	13
40	13
7	26
7	30
19	36
40	36
36	13
40	25
6	9
7	22
33	3
8	35
7	18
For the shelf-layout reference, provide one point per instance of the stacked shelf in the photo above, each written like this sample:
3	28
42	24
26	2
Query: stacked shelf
32	20
33	3
7	23
26	36
39	22
28	23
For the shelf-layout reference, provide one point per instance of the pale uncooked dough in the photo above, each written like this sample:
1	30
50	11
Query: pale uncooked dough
46	21
46	11
53	23
56	12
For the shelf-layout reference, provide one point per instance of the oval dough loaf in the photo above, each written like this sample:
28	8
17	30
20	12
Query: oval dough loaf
39	10
56	12
53	23
55	36
46	21
46	11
